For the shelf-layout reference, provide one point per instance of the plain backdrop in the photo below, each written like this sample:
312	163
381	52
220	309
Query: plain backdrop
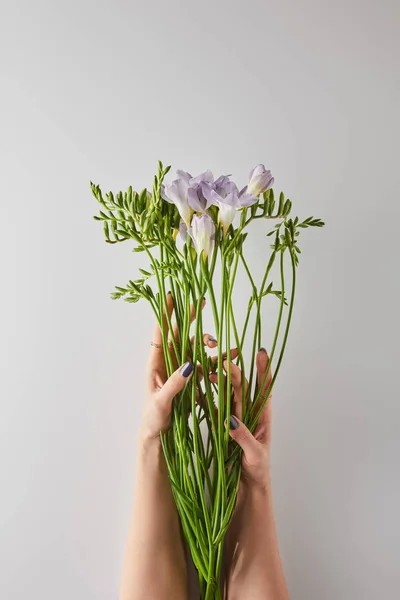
100	90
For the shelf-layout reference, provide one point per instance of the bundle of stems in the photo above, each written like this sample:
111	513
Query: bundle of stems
203	464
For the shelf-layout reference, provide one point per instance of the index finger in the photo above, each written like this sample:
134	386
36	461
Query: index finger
262	364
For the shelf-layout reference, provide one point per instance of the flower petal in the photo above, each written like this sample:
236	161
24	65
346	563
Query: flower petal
260	180
184	175
194	200
248	200
207	176
202	233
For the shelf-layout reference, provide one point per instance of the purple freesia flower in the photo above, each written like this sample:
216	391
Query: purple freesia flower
198	187
202	233
260	180
227	198
177	193
198	193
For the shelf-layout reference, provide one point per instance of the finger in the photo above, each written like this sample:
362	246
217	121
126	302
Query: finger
214	359
173	386
262	362
208	340
236	383
157	334
158	381
242	436
214	378
233	352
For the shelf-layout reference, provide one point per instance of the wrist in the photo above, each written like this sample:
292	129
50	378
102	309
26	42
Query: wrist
255	487
148	445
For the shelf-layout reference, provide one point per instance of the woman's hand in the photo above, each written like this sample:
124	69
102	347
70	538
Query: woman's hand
253	564
161	390
256	448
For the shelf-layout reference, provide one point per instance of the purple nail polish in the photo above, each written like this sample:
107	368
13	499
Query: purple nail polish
187	369
233	424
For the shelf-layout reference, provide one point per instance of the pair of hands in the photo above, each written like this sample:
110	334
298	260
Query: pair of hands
161	391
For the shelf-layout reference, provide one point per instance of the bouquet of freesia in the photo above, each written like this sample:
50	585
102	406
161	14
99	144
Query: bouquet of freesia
186	230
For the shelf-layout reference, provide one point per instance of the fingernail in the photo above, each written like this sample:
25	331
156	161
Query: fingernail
169	293
211	338
187	369
233	424
263	350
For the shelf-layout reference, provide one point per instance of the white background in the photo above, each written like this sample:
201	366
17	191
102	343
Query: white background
100	91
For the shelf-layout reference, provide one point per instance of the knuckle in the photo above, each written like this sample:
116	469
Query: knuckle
243	434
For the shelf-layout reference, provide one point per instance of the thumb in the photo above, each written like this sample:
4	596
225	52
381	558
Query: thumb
175	384
242	436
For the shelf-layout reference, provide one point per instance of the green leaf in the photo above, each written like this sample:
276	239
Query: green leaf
281	203
122	233
119	199
271	207
143	200
287	207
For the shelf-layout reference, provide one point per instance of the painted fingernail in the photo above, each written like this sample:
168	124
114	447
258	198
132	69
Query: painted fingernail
187	369
233	424
211	338
169	293
263	350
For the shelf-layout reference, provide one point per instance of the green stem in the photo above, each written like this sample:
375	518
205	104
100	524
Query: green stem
283	347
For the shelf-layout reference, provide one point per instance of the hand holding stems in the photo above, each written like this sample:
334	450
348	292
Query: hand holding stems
253	565
155	538
256	446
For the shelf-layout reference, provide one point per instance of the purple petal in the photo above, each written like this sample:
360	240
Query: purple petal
260	180
232	199
248	200
183	231
164	194
210	195
194	200
257	171
184	175
207	176
270	184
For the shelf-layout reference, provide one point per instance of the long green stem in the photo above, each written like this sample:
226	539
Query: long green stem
283	347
